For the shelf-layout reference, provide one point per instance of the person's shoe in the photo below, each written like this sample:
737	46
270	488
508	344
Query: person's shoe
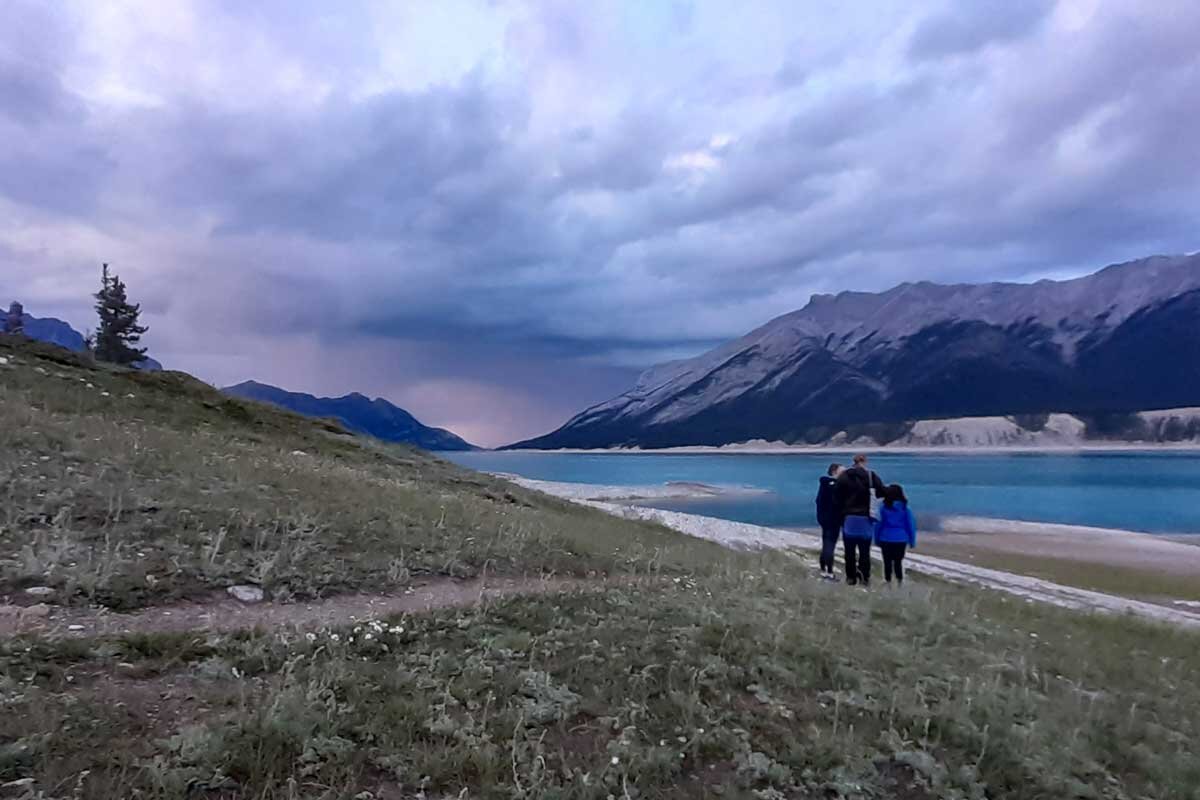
852	581
829	576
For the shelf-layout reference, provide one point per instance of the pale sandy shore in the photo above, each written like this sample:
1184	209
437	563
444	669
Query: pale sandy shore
671	490
1127	550
1149	554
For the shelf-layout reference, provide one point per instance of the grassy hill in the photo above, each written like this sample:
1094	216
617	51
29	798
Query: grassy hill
677	669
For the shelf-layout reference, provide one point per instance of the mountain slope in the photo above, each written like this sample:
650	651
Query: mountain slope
1124	339
358	413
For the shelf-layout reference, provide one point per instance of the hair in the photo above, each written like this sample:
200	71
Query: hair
892	494
860	459
833	469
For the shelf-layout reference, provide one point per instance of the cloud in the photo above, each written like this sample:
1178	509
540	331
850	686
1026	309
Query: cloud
497	212
963	28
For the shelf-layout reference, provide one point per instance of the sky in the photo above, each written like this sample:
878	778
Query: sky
496	213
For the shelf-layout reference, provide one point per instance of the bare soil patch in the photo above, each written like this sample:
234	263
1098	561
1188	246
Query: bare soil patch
219	612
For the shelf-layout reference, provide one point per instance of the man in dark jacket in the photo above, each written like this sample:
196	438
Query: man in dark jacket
829	517
853	493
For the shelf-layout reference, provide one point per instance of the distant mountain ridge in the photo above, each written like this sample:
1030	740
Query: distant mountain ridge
1124	339
56	332
357	413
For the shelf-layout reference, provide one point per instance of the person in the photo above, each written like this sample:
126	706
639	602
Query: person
829	517
853	490
14	321
895	531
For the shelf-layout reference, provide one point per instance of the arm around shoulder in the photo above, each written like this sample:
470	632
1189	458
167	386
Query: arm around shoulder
912	528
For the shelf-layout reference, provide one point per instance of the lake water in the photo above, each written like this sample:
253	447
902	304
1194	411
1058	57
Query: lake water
1157	492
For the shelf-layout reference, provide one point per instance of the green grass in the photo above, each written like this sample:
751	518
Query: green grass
731	675
127	489
763	681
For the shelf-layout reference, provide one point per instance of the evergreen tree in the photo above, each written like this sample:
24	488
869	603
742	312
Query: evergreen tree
119	331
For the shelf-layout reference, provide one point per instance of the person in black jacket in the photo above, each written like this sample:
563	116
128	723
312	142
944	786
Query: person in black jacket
853	494
829	517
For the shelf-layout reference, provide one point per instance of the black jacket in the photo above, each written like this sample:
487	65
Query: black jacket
829	513
853	491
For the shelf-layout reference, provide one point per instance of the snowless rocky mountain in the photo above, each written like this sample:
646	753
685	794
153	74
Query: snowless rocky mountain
357	413
1124	339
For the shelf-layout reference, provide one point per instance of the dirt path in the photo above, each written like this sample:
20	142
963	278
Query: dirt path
220	612
742	535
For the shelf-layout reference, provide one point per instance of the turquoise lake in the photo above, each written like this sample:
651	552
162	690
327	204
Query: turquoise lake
1156	492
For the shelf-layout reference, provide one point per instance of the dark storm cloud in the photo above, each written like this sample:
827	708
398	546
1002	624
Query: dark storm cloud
964	27
543	195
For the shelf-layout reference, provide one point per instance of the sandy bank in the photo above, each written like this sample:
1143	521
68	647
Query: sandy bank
671	490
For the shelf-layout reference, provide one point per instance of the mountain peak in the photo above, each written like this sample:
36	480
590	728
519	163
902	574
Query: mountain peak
924	350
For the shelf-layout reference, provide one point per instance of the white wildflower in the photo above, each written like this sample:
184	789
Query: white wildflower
312	637
105	394
615	761
369	636
333	637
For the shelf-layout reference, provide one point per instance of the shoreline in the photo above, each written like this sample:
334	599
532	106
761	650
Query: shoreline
1104	583
671	490
842	449
949	524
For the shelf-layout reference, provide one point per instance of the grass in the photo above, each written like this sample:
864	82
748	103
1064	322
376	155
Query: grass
1125	581
128	490
732	675
762	682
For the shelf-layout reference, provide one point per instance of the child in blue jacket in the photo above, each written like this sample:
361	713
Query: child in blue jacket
895	531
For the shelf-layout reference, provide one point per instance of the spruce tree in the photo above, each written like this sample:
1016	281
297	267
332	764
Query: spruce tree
119	331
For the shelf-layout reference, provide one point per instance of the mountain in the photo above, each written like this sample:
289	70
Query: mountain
357	413
55	331
1124	339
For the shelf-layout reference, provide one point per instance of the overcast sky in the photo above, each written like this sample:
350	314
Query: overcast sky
495	213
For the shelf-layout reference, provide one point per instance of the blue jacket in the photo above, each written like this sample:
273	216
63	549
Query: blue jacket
896	524
829	513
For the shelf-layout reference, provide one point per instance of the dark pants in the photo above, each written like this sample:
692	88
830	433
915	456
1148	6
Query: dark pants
829	540
893	560
858	559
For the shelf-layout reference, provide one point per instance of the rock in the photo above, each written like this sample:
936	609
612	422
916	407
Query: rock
37	611
3	361
39	591
245	593
19	783
75	627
